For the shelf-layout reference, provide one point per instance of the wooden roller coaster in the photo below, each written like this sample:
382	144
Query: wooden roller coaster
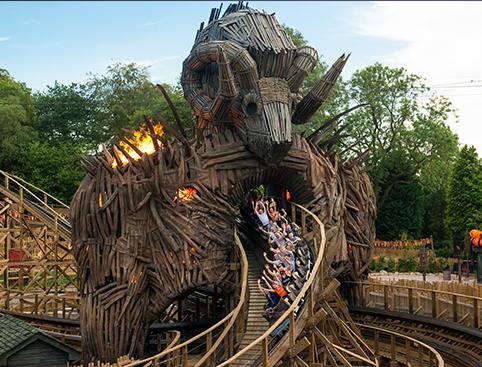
159	237
389	313
37	267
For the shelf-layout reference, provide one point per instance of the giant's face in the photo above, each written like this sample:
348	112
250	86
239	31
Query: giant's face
267	119
221	82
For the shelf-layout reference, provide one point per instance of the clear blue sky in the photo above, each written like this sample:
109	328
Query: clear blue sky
48	41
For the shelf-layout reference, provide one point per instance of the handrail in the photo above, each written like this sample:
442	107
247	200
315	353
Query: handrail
230	318
381	284
440	361
42	203
175	340
16	179
289	313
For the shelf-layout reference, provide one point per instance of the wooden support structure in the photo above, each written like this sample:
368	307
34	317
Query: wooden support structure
149	228
37	267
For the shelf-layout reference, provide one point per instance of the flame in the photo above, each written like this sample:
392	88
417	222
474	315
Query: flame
142	140
100	200
186	194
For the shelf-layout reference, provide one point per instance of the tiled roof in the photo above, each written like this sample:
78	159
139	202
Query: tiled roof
13	331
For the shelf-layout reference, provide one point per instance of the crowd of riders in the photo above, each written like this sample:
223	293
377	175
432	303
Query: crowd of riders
287	261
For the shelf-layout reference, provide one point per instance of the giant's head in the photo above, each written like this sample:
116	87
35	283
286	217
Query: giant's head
248	76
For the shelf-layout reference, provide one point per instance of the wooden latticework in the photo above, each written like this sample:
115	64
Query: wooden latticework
38	274
151	231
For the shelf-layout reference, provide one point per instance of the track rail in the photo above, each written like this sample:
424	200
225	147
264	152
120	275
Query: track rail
457	349
303	312
40	203
216	336
401	348
447	321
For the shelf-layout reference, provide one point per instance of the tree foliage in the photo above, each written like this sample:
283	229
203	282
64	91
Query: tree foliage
398	127
17	119
54	168
411	147
464	194
66	115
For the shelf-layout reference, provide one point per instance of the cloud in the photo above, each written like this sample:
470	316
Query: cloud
441	42
4	39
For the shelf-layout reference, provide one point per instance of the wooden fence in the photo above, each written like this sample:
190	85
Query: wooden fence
461	308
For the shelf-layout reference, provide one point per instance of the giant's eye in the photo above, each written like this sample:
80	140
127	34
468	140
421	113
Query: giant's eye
251	104
251	108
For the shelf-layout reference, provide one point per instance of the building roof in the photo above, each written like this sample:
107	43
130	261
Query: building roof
13	332
16	335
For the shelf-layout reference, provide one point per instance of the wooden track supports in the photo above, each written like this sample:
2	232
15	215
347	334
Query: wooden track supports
38	272
145	243
140	243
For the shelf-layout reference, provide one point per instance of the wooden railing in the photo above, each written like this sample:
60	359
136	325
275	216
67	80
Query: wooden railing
400	348
447	306
37	269
220	339
272	351
53	209
40	195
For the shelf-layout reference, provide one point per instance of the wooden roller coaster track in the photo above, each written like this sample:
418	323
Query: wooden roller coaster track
316	330
303	333
37	269
447	321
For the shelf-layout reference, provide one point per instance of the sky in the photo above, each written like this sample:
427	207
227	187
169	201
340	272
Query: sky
44	42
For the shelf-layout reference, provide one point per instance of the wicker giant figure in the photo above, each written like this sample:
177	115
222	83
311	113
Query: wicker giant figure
139	246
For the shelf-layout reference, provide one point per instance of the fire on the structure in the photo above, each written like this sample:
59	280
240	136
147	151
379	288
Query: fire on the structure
142	140
185	194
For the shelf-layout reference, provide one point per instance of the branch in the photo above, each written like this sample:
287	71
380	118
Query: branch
173	109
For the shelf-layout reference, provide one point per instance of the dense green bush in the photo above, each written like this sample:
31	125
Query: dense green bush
377	265
444	252
391	265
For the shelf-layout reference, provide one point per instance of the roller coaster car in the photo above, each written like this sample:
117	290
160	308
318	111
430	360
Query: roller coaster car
271	314
17	255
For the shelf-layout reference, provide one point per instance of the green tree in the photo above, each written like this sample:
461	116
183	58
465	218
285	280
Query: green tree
411	147
396	126
464	194
54	168
124	94
66	114
17	119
